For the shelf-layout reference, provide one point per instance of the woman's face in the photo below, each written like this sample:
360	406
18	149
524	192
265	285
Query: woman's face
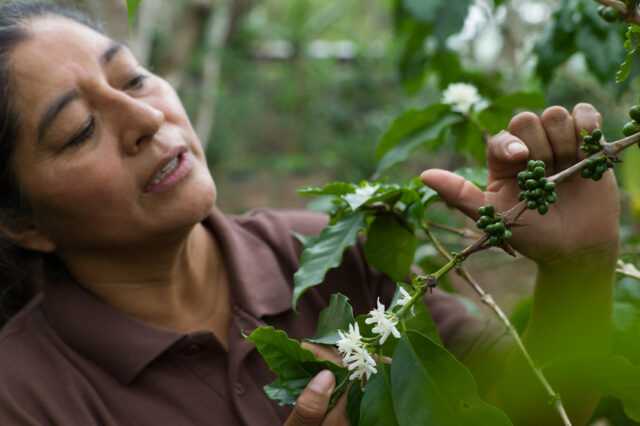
96	128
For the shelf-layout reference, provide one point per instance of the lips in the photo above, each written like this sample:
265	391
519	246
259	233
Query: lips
166	167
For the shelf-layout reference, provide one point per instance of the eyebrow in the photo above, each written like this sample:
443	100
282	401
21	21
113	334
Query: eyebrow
58	105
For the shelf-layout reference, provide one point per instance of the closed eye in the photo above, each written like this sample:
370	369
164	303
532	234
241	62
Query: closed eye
83	135
136	83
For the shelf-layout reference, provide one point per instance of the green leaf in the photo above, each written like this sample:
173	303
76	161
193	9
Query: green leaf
496	117
630	170
467	138
354	401
631	45
132	10
286	392
429	386
294	365
333	188
361	195
337	316
390	247
376	408
412	130
407	124
326	253
626	329
450	19
602	54
479	176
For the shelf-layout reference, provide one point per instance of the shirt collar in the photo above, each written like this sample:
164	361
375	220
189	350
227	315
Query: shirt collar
124	346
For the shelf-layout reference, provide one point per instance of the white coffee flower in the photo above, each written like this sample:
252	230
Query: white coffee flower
405	297
361	363
385	323
350	341
462	97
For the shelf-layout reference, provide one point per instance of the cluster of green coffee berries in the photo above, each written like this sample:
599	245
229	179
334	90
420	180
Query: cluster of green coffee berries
609	14
492	225
596	167
537	191
591	142
632	127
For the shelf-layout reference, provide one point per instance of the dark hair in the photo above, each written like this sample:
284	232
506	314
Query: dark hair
21	270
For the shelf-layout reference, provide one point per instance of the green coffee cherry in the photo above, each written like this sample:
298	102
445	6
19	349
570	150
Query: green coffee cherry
494	226
595	168
608	13
631	128
634	113
537	191
591	142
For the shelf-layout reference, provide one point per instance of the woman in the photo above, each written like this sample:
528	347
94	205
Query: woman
144	287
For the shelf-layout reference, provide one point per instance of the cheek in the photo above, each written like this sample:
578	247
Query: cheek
79	193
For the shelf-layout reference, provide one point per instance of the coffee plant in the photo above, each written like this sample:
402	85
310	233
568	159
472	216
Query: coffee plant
395	369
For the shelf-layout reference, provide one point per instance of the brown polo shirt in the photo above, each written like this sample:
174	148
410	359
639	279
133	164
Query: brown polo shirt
70	359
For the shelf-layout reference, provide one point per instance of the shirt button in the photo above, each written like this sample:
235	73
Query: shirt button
239	388
192	349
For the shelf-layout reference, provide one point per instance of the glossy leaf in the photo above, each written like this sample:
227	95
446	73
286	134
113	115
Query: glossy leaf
294	365
479	176
333	188
412	130
326	253
337	316
630	170
390	247
376	407
361	195
430	386
496	116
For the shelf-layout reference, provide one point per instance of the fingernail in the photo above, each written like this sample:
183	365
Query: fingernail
515	148
322	383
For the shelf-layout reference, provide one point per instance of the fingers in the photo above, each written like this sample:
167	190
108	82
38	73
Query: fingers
323	352
527	127
455	190
560	129
313	403
506	155
585	117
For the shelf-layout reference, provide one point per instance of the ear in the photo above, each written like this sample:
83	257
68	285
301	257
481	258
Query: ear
28	237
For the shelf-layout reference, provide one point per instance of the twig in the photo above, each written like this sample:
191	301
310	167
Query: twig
488	300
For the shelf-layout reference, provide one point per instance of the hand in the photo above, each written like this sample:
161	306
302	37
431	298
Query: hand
312	405
585	218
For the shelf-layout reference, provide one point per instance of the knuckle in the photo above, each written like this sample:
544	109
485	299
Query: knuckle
523	120
554	116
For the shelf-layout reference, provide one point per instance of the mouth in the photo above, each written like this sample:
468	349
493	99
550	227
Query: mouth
175	166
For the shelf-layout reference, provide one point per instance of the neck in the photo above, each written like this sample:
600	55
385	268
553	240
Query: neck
177	284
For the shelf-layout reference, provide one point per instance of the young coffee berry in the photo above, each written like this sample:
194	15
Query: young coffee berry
531	205
586	172
487	210
549	186
538	172
551	198
596	135
608	13
631	128
493	241
531	184
537	193
634	113
483	222
543	209
507	234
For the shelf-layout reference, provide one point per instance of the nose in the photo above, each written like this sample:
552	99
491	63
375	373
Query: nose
135	120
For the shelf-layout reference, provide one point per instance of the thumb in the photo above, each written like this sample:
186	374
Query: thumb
312	404
455	190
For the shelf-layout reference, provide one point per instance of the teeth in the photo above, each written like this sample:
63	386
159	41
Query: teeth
168	168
